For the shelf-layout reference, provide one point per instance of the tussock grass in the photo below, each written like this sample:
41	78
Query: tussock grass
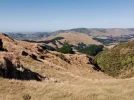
105	89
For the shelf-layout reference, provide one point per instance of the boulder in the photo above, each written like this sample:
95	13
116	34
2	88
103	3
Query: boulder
33	56
24	53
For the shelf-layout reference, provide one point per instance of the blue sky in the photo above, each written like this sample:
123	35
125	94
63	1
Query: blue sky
51	15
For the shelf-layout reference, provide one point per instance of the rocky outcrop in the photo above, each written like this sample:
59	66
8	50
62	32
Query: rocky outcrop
24	53
12	68
76	58
42	57
33	56
1	46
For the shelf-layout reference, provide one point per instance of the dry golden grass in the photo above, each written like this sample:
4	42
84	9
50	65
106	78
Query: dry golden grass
77	81
81	89
109	32
73	38
67	81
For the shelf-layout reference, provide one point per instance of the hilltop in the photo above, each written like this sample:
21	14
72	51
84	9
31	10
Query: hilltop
72	38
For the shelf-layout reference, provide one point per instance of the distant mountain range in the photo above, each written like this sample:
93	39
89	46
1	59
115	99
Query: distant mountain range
105	36
29	36
39	35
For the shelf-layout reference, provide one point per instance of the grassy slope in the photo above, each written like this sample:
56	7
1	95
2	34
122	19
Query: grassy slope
81	89
118	61
75	81
73	38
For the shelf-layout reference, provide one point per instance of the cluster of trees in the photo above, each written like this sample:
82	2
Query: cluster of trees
66	49
91	50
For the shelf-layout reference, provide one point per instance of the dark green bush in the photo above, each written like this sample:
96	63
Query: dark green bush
66	49
80	46
91	50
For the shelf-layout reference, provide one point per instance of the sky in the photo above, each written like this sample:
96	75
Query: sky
51	15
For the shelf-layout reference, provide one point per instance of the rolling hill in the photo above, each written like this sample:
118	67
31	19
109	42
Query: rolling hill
31	63
89	31
118	61
30	72
106	37
72	38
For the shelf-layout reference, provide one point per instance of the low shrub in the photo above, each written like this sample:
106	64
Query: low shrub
26	97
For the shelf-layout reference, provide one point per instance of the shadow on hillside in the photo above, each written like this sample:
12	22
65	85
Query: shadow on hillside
95	67
8	70
53	41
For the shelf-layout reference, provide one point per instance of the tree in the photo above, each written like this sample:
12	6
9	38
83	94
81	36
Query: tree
66	49
92	50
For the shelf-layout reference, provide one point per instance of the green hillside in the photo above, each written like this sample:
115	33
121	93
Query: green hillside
119	61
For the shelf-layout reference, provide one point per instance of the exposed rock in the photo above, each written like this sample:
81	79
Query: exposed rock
24	53
42	57
78	58
33	56
12	68
1	45
39	49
